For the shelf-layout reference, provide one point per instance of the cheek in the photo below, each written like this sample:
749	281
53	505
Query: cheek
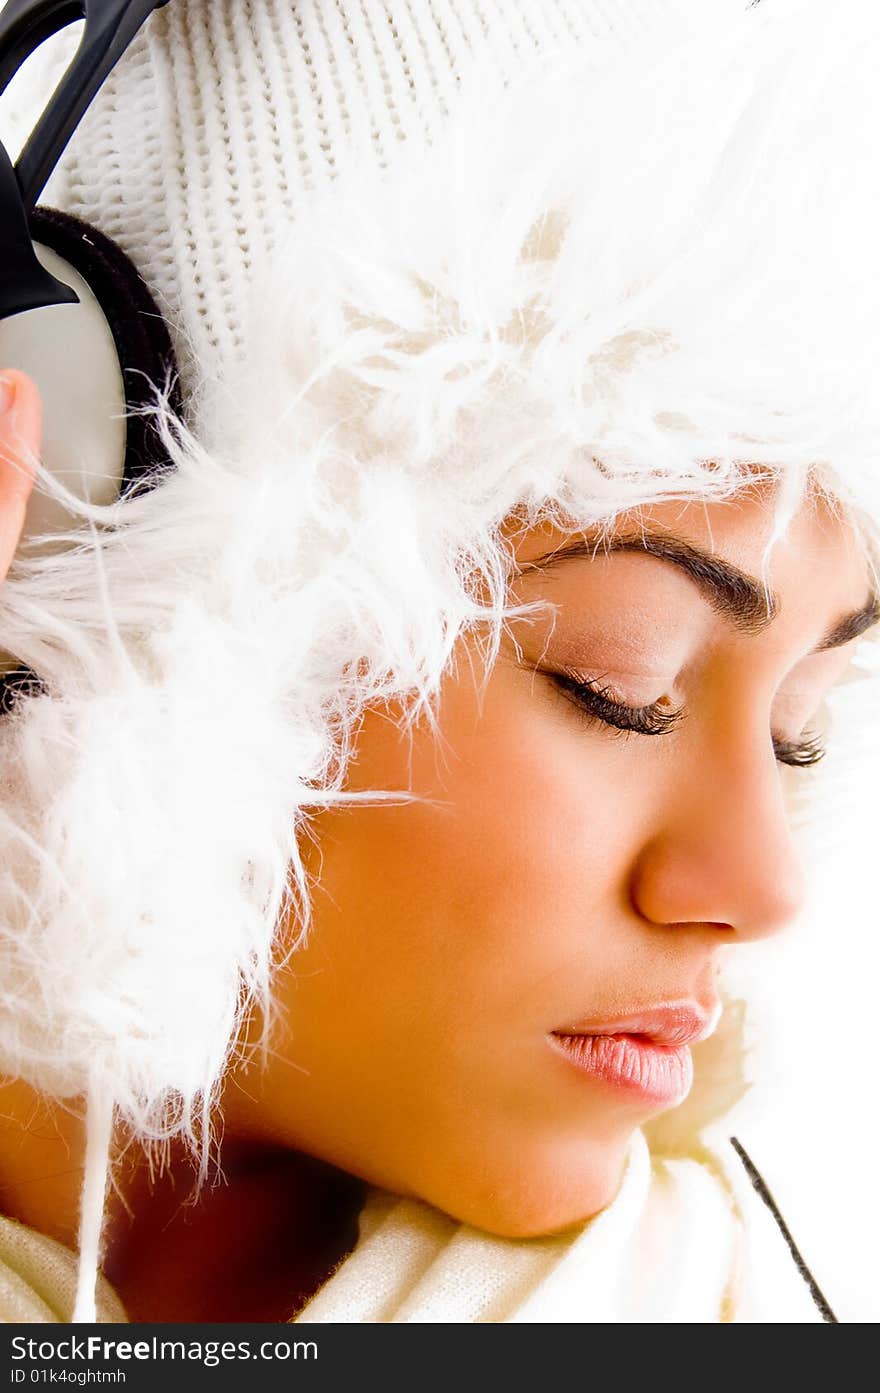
449	936
480	906
532	845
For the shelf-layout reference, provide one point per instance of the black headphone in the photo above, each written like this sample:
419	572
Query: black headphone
74	312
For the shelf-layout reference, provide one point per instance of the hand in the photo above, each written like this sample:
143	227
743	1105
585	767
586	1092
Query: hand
20	434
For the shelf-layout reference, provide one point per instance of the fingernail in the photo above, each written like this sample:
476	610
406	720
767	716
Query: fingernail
7	395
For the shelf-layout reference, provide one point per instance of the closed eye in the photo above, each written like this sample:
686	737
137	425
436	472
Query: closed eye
799	754
595	699
659	718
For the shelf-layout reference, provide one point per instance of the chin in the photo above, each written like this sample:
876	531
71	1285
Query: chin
560	1192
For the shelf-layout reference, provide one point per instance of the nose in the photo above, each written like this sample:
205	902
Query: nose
722	853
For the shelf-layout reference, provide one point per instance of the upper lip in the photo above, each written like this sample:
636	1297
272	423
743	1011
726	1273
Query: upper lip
672	1023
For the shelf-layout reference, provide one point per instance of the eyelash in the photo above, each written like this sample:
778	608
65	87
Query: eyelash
595	701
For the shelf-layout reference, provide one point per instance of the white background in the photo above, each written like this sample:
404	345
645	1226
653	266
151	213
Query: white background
811	1122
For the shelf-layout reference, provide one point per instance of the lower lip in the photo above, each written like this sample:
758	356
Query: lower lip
633	1064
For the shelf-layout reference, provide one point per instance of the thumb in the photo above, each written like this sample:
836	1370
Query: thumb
20	438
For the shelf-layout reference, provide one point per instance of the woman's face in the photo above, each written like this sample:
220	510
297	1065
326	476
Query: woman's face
560	871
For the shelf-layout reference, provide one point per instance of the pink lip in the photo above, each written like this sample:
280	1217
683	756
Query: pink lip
645	1055
674	1023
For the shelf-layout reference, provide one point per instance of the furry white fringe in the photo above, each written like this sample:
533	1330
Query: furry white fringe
611	283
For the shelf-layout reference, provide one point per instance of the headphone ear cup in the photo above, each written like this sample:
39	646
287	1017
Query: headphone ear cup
143	345
95	364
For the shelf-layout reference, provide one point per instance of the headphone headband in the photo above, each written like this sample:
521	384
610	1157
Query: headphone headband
110	26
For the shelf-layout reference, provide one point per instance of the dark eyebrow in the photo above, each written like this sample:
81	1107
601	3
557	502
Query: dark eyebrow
741	598
852	625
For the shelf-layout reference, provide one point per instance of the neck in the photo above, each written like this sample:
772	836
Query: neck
42	1145
254	1245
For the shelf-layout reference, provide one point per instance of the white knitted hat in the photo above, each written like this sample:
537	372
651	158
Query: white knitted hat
611	273
207	139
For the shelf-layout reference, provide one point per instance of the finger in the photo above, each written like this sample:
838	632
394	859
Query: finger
20	439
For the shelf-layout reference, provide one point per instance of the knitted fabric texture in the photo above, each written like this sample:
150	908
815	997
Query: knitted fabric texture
206	140
38	1279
